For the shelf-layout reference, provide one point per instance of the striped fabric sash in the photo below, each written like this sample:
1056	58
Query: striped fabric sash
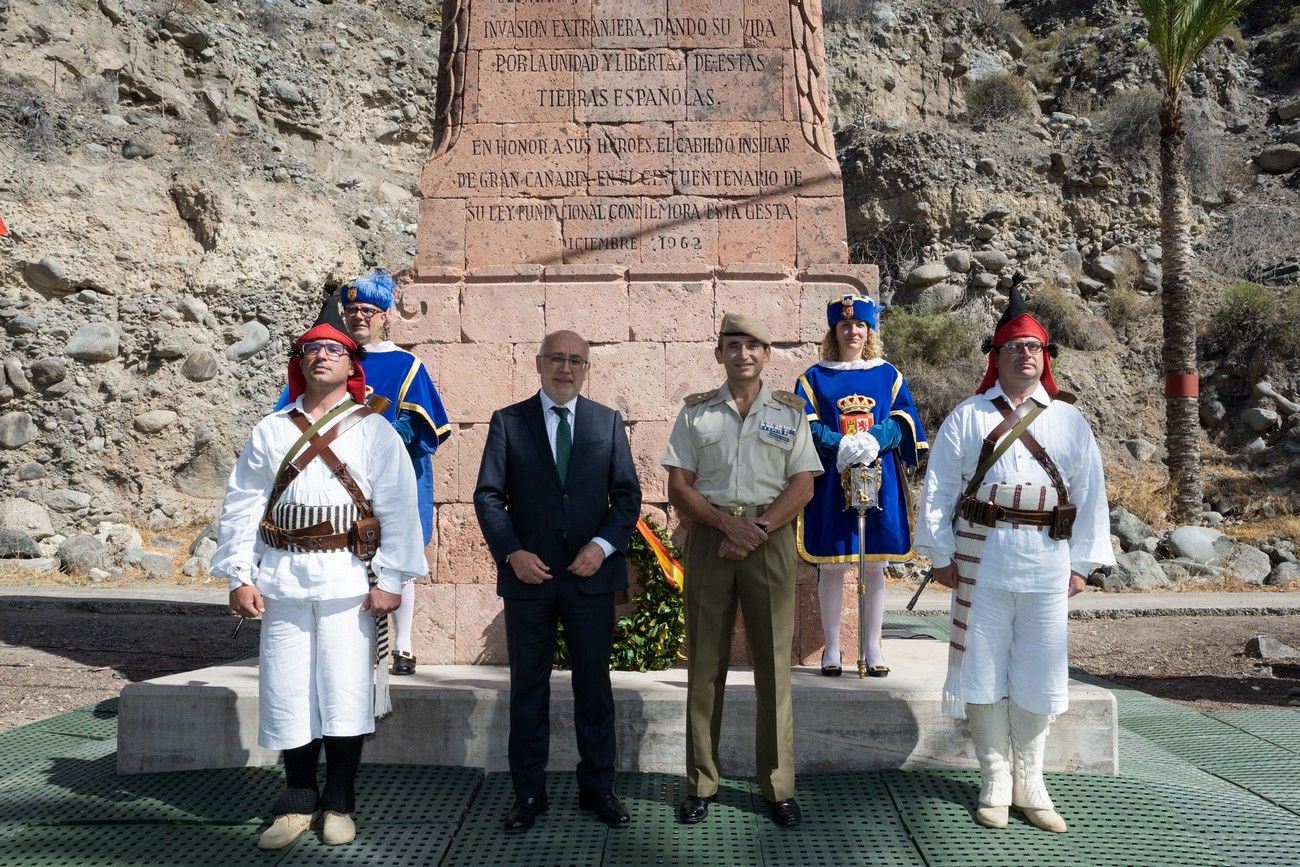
970	547
295	516
383	701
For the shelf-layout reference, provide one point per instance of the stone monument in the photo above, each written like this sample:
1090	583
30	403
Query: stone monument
632	170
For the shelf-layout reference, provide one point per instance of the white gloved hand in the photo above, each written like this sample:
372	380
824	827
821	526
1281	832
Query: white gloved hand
859	448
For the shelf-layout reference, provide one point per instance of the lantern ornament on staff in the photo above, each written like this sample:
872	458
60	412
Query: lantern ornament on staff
861	483
867	430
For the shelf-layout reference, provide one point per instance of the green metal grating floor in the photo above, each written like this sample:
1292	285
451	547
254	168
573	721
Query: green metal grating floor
1194	789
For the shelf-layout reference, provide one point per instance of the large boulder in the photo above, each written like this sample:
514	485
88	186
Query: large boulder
15	544
1279	159
16	430
1284	573
81	553
31	518
1201	544
93	342
927	274
1247	563
1135	570
255	337
1128	527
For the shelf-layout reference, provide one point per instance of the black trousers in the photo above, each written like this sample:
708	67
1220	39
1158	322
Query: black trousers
530	637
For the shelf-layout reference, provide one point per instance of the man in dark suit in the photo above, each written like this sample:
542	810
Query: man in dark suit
558	499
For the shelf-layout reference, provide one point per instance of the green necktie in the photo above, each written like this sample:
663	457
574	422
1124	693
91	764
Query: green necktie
563	442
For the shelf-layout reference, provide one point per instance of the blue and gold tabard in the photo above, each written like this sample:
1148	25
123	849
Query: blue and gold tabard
851	400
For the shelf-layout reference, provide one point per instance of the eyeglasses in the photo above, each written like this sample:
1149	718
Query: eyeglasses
361	311
333	350
1033	347
556	359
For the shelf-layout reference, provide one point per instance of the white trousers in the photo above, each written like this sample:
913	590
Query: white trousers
317	671
1016	648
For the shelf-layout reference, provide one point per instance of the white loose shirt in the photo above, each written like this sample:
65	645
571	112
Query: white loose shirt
1022	559
377	460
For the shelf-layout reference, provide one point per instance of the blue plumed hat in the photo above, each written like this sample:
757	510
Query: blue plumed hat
853	307
375	288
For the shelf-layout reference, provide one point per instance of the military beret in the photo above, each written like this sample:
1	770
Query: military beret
750	326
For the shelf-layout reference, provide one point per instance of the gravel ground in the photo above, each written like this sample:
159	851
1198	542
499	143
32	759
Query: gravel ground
1198	661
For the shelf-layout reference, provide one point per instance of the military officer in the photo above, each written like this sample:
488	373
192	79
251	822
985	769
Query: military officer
741	462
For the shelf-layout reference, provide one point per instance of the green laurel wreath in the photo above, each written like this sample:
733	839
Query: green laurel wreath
651	638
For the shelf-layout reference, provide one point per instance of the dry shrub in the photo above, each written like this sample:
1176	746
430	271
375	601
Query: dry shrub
1125	306
999	97
939	358
895	249
1146	493
1131	123
99	91
1068	321
845	11
25	118
1262	530
1252	238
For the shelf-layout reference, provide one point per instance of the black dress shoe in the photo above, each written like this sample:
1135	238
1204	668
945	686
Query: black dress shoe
524	813
403	663
785	813
607	807
692	810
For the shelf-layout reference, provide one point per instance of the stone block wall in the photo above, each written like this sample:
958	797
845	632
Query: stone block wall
652	329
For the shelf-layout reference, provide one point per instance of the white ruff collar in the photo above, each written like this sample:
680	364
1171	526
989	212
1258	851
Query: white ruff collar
859	364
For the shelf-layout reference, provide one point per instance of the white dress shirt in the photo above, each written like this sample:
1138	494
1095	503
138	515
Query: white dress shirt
1021	559
377	460
552	419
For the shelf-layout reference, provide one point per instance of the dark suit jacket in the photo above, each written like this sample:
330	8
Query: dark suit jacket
520	502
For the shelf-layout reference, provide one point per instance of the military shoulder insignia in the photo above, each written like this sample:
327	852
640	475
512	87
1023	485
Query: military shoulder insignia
699	397
789	398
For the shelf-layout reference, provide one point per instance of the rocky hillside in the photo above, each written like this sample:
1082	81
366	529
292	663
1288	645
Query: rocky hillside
181	176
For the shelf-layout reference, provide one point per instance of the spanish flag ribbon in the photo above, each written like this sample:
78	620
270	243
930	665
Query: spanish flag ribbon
667	564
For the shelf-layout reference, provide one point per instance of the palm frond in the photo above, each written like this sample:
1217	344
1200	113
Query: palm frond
1181	29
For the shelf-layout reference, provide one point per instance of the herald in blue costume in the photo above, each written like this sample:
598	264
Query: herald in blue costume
825	531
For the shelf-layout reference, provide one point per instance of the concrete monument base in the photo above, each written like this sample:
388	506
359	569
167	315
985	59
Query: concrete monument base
459	715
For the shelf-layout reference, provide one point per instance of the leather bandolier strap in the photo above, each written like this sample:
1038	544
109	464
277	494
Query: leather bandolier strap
321	536
1015	425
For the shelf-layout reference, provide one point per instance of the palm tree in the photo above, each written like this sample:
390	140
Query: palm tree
1179	31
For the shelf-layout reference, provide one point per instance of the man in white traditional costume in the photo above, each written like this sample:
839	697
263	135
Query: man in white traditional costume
1014	518
300	542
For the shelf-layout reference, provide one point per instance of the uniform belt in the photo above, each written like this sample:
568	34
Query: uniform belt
316	538
742	511
989	514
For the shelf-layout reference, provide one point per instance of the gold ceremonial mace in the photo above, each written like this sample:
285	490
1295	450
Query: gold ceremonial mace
861	485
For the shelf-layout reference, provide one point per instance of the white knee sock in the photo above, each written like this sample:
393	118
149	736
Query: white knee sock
875	583
1028	745
990	729
403	618
830	593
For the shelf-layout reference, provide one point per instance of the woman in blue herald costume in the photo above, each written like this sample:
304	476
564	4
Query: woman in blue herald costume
415	411
859	407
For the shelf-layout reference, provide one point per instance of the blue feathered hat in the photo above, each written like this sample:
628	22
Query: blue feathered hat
853	307
375	288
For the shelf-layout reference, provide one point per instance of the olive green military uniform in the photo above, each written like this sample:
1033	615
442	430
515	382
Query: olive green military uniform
741	465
